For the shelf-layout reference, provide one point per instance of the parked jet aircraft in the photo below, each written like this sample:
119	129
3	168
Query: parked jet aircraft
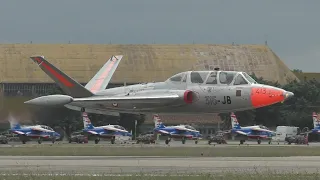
316	124
37	131
182	132
108	131
252	132
190	92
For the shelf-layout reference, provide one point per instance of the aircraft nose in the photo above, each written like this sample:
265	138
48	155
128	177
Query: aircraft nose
288	94
265	95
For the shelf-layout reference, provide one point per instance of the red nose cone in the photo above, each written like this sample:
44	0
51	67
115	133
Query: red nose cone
266	95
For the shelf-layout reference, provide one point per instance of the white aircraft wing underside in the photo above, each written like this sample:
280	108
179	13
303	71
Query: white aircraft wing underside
159	98
113	129
242	133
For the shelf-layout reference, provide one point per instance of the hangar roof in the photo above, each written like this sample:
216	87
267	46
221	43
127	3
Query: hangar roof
141	62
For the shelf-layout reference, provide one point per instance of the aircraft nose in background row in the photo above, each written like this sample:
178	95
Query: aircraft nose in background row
267	95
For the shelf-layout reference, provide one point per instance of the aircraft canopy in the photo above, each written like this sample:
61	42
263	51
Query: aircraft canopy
213	77
46	127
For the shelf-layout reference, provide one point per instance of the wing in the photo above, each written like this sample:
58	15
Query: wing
113	129
139	99
242	133
261	130
183	129
36	129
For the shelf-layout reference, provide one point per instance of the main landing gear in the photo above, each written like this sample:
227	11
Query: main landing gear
183	140
96	141
39	140
113	140
83	109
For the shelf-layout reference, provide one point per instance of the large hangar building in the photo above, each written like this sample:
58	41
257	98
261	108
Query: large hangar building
21	78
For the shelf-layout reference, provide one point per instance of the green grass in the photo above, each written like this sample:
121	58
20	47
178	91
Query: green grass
219	176
211	151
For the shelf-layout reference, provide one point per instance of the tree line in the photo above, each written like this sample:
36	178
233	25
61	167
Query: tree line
296	111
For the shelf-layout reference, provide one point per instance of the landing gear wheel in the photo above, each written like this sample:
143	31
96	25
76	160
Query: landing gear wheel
242	141
259	141
70	141
167	141
269	142
53	140
83	110
39	141
183	140
23	142
113	140
196	142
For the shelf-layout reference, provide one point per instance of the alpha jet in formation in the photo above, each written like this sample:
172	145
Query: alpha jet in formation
182	132
250	132
39	132
190	92
107	131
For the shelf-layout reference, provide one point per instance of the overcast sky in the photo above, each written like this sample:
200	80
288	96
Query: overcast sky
291	27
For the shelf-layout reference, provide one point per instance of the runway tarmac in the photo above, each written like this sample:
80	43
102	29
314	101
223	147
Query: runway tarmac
153	165
158	143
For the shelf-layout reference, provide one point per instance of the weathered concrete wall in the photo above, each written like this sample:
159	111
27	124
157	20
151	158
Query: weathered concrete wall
141	63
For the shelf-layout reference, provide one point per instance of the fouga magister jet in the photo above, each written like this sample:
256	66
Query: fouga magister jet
182	132
190	92
251	132
108	131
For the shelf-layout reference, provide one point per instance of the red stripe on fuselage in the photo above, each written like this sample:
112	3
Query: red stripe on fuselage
57	75
105	73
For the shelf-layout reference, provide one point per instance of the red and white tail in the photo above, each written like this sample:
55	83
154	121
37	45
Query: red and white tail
316	121
156	120
234	121
66	83
86	121
102	78
71	87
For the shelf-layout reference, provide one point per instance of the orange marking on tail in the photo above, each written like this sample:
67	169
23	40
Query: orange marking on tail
57	75
265	96
105	73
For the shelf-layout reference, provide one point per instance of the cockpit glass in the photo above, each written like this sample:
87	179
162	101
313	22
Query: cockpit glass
226	77
184	78
198	77
212	79
240	80
177	77
249	78
263	127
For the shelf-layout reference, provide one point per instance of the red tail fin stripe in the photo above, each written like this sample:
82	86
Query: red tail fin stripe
105	73
57	75
38	60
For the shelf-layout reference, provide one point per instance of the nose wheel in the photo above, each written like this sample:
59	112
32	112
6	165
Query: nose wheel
39	140
96	141
83	110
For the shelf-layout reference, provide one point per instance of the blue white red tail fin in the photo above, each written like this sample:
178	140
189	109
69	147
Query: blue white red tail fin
234	122
86	121
157	121
316	121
